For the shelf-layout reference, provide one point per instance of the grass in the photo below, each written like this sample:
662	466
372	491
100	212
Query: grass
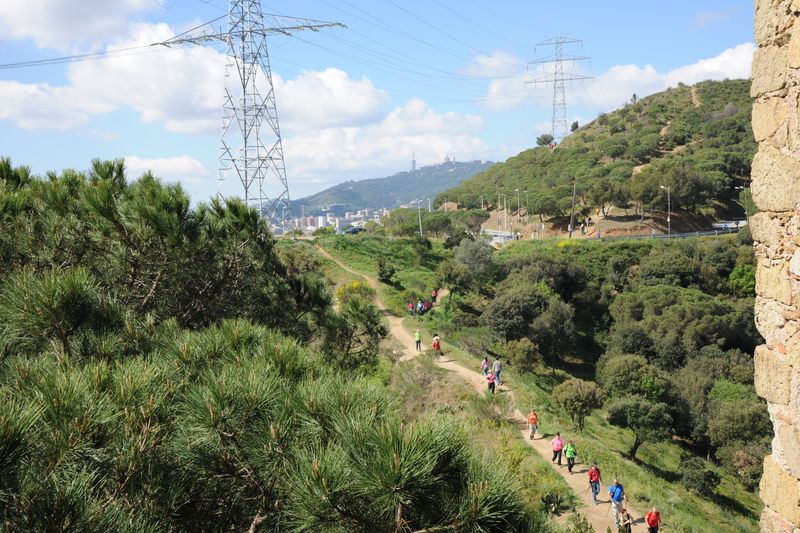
415	271
653	480
425	388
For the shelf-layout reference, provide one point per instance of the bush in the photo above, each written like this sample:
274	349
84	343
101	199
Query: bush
523	354
578	397
494	409
697	478
385	271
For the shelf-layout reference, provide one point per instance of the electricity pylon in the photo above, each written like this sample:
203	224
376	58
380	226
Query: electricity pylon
250	138
558	79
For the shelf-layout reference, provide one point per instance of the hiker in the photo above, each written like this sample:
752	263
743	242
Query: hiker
485	366
426	306
418	340
583	228
436	344
557	445
533	422
595	479
626	521
497	367
419	307
490	379
410	308
433	295
570	452
653	521
617	494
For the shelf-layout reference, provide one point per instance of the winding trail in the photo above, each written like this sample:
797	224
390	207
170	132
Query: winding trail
599	516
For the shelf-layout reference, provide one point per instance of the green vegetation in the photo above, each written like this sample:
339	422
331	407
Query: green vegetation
655	370
623	158
391	191
165	367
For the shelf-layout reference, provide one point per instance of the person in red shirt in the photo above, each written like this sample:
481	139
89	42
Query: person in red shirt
595	480
490	380
533	422
653	520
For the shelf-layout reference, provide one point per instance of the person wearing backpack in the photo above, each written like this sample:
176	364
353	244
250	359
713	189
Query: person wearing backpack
617	494
595	480
437	346
570	452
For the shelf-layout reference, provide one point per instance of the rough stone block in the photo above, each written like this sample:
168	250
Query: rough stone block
776	180
773	282
773	376
769	70
786	445
769	116
769	320
780	491
772	522
765	228
794	45
773	21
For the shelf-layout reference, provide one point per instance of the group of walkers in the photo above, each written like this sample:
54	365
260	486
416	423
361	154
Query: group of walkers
623	521
422	306
436	343
492	372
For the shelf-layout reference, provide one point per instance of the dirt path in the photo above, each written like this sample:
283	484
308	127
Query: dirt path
695	98
598	515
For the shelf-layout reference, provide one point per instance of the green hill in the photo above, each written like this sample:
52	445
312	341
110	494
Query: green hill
391	191
696	140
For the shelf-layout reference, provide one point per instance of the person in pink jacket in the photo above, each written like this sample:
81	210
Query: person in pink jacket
557	445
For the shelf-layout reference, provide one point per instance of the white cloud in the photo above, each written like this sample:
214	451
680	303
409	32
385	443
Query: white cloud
182	88
183	168
67	24
326	99
616	85
332	154
707	18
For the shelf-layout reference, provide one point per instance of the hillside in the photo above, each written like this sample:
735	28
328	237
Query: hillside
391	191
696	140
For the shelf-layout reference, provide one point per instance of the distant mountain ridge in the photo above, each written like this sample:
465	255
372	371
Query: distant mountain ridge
392	191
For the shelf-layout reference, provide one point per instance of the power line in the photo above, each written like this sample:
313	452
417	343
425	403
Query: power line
558	79
479	26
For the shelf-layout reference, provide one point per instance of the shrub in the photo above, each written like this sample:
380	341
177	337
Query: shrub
578	397
523	354
385	271
697	478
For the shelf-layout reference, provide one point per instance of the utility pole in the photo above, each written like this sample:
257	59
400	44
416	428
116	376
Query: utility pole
669	210
518	215
250	137
419	216
429	205
572	214
527	209
558	79
481	201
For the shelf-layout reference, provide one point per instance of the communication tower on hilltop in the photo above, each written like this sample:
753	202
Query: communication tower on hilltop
413	162
558	79
250	138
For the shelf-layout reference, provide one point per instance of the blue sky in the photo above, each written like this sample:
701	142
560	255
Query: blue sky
435	77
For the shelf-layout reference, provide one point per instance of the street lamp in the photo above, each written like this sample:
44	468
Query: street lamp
505	213
527	209
518	217
744	204
669	210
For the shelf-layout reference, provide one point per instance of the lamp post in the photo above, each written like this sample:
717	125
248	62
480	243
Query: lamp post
744	204
419	216
527	209
669	211
518	217
505	214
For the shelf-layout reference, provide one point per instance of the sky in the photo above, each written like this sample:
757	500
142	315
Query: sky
432	79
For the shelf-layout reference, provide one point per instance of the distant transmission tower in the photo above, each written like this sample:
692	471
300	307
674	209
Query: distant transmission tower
251	146
558	79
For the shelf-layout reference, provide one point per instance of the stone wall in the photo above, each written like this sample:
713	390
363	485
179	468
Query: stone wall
776	231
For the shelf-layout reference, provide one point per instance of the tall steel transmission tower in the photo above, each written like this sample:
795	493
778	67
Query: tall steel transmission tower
558	79
251	146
